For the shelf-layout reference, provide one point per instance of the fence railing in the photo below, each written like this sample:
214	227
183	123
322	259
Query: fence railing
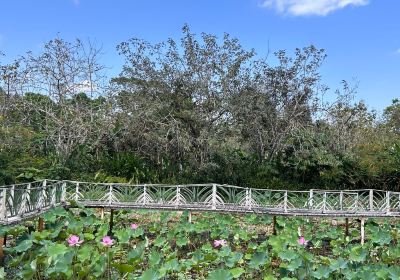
21	201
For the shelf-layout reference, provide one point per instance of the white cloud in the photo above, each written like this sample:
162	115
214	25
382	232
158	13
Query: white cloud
311	7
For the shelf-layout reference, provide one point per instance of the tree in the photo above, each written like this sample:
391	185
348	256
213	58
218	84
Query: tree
174	100
53	85
279	100
391	115
348	121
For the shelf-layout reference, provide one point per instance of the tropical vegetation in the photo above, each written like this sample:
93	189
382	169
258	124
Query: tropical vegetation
77	244
201	109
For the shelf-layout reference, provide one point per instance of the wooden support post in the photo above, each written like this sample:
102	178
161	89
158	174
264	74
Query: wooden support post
362	231
102	213
111	225
31	228
40	224
274	225
190	217
347	227
2	242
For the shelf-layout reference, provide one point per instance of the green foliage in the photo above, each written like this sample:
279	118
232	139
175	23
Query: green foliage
29	174
200	109
166	246
220	274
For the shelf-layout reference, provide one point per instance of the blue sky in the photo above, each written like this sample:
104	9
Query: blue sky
361	37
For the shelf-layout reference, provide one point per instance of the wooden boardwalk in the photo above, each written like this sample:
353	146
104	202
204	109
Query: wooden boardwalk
23	201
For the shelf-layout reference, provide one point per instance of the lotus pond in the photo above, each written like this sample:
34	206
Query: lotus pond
151	245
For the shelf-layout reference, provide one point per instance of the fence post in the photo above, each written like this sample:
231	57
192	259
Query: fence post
371	200
77	191
25	198
28	196
3	218
11	200
285	201
110	191
356	209
214	197
144	195
53	195
398	203
178	196
324	203
341	200
387	202
3	205
42	197
63	191
311	199
249	199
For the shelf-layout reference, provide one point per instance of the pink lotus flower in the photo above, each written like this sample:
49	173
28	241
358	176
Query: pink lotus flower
73	240
302	241
221	242
107	241
134	226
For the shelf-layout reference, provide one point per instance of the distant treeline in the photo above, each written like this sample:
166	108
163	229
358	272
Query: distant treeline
202	109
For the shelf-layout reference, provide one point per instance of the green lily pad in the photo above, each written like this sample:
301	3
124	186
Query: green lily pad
220	274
